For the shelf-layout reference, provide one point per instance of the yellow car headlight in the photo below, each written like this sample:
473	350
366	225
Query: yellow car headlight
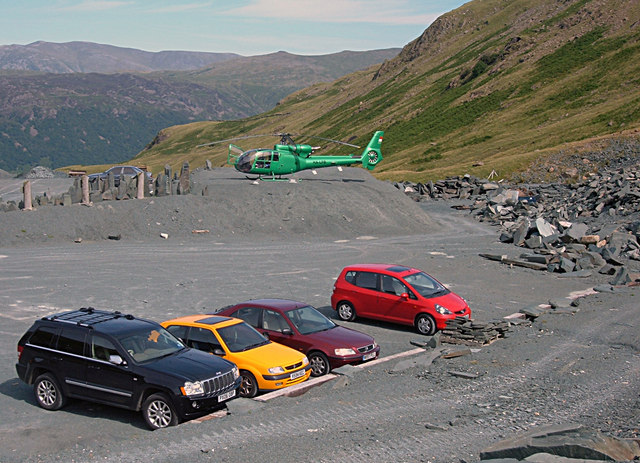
276	370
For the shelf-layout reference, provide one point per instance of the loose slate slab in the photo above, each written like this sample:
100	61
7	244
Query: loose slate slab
571	441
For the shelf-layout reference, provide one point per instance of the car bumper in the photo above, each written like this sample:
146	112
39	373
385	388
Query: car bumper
441	320
338	361
188	408
22	372
273	382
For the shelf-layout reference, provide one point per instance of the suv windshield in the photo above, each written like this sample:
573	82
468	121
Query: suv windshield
241	337
150	344
425	285
308	320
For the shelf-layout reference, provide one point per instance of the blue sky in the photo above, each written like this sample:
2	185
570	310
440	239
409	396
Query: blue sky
246	27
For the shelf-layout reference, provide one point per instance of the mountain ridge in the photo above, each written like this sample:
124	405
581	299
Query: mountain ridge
59	119
85	57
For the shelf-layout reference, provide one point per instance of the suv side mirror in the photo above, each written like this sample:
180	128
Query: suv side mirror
116	360
218	351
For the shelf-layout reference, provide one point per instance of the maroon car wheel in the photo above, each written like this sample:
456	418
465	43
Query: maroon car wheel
319	364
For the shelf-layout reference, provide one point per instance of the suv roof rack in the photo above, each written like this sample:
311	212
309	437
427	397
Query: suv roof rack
87	316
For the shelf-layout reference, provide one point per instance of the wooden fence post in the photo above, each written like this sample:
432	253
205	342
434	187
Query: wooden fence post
141	180
85	189
26	190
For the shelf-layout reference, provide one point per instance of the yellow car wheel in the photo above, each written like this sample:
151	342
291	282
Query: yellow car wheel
249	386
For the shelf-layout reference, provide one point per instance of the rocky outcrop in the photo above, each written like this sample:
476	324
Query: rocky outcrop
589	226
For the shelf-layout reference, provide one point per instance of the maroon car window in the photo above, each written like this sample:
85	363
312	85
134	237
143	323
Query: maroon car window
308	320
251	315
274	321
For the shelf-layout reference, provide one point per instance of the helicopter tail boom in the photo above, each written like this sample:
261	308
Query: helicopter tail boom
372	155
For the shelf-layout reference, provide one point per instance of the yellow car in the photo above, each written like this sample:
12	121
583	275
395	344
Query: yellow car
264	365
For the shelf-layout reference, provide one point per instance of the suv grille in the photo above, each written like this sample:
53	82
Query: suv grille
365	349
216	385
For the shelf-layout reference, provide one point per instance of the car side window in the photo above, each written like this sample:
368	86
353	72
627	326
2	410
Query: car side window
273	321
350	277
251	315
367	280
203	339
45	336
72	341
102	348
179	332
391	285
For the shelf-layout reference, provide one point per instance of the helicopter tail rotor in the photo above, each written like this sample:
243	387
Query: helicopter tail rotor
372	155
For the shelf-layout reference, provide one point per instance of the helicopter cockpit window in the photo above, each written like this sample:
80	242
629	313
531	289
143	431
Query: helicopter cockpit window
245	161
264	160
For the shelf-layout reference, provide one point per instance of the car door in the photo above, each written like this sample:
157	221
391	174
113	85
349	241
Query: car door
107	381
276	327
394	302
71	360
366	298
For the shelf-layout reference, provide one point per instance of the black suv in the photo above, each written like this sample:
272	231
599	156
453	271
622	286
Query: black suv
120	360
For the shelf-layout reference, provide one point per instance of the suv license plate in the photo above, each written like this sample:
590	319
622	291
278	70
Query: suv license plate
369	356
297	374
227	395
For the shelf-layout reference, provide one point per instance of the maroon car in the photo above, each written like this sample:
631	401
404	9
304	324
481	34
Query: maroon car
304	328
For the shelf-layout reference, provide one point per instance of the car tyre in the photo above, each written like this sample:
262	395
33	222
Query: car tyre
48	393
346	312
425	324
319	364
159	412
249	386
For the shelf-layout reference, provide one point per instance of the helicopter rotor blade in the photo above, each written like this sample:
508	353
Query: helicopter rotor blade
285	139
234	138
334	141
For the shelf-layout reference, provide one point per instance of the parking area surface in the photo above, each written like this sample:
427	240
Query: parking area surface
372	414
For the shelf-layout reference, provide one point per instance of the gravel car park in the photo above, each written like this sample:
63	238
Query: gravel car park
578	364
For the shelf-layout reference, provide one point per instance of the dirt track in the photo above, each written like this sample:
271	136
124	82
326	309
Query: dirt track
582	367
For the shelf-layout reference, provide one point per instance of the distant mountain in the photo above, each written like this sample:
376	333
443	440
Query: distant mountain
59	119
494	85
94	57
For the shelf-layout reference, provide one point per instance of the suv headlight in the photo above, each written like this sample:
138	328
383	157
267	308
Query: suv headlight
190	389
236	372
276	370
344	351
442	310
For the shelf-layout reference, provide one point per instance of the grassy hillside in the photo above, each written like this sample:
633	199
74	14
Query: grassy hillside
493	85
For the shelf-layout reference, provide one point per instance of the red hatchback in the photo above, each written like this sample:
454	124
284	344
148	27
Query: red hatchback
398	294
302	327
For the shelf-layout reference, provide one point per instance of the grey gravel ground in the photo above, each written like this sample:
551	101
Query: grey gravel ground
582	367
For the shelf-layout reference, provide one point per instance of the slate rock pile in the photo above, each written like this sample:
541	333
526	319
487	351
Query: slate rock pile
575	229
465	331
